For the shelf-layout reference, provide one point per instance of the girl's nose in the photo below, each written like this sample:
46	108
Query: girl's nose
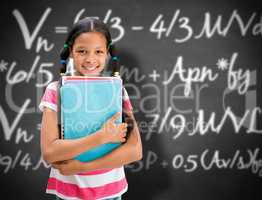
91	59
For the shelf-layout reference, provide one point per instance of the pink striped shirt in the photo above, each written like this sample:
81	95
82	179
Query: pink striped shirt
99	184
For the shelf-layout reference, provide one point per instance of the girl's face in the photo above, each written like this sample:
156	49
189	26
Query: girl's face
89	53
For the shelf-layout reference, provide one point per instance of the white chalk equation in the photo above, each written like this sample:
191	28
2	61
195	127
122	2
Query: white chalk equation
10	127
193	81
162	26
21	160
29	39
17	75
34	42
240	160
214	159
114	22
236	79
211	26
178	125
14	76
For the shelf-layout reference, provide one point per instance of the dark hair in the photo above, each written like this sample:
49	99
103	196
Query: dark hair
88	24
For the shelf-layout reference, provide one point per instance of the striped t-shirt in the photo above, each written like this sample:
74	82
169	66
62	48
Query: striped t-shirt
99	184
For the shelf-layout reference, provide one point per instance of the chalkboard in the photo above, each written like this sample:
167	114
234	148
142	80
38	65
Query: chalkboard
193	73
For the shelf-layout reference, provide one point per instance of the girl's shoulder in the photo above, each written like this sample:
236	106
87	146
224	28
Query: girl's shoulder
52	86
49	99
127	103
125	94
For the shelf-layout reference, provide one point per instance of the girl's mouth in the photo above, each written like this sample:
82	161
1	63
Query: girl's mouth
90	68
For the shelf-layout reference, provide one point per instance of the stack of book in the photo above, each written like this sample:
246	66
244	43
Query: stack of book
86	104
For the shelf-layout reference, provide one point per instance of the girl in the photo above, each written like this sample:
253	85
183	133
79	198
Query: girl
89	45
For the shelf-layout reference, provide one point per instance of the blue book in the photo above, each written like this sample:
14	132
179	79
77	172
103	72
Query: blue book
86	104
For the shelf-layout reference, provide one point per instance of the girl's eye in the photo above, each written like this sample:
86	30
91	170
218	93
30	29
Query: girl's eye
81	52
99	52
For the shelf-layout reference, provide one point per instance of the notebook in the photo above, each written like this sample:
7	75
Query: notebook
86	104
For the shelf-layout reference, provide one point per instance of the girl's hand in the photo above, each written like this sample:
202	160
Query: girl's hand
112	132
68	167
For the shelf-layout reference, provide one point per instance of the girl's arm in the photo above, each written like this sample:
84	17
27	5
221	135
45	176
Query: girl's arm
128	152
54	149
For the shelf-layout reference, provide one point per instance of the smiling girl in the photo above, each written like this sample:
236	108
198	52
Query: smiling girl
90	47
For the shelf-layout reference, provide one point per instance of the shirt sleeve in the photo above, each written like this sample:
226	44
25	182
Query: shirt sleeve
49	98
126	101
